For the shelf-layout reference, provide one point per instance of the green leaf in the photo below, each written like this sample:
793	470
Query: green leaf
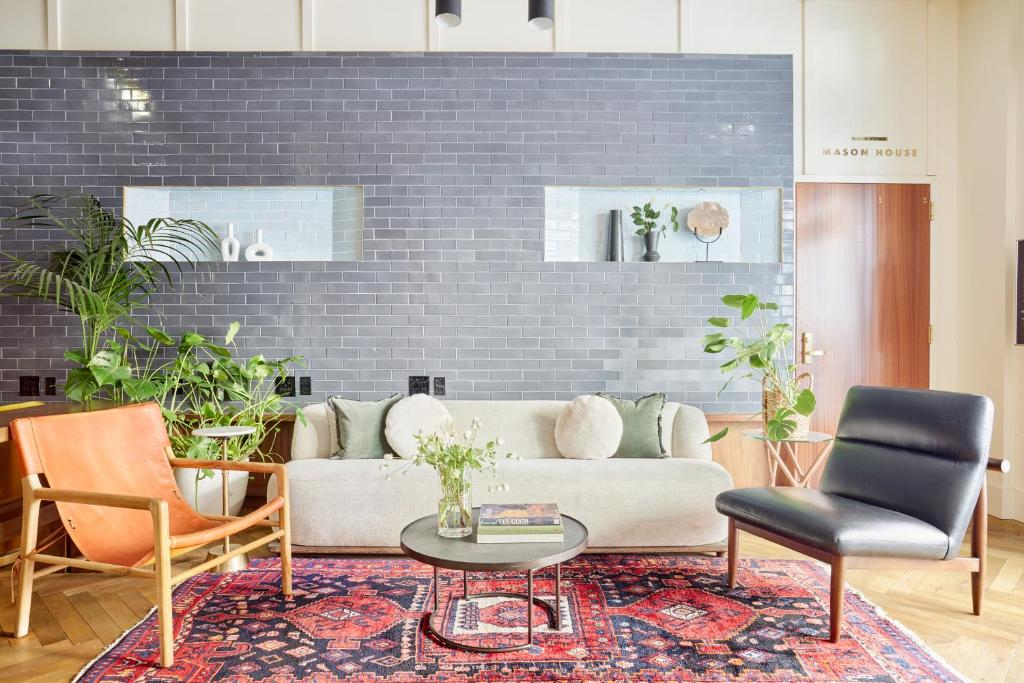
109	375
734	300
730	365
232	331
76	356
717	436
80	385
160	336
768	306
805	402
718	321
749	306
715	346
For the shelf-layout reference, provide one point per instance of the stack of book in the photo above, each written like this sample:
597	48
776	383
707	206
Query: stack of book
520	523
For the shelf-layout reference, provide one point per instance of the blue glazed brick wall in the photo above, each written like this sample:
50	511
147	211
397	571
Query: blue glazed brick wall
453	153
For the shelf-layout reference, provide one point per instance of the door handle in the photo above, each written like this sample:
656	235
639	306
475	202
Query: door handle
807	351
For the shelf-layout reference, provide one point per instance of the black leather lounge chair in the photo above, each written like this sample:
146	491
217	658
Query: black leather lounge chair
905	477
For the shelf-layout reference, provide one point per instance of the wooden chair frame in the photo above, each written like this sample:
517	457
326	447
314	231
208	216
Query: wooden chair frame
974	563
34	493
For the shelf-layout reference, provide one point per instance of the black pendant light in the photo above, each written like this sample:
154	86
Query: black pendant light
542	14
448	13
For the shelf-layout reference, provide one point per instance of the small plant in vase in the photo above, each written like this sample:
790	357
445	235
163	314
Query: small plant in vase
455	458
650	230
764	356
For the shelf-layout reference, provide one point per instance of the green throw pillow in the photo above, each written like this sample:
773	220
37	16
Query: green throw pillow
641	426
361	427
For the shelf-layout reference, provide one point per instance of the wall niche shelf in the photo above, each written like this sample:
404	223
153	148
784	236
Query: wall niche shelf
298	223
576	223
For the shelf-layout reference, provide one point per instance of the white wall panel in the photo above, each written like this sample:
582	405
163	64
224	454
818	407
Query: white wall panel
618	26
265	25
379	25
495	25
742	26
866	74
23	24
115	24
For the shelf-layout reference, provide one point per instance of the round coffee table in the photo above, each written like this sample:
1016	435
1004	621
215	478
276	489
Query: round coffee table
421	542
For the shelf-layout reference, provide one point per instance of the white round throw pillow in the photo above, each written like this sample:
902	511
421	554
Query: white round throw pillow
588	428
412	415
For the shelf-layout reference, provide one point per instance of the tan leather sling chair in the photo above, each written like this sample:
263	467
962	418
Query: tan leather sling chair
110	473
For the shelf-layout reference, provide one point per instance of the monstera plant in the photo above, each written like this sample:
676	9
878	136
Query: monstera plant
760	350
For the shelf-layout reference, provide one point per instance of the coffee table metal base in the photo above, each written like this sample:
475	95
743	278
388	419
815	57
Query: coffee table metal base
554	612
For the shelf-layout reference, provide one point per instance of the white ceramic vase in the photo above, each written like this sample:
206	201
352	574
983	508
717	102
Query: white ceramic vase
259	250
229	246
204	495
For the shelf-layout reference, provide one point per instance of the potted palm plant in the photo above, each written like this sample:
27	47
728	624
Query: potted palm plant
104	272
761	351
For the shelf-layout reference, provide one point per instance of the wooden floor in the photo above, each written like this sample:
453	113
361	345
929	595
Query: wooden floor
74	616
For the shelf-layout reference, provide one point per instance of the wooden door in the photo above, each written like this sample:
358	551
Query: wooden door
862	272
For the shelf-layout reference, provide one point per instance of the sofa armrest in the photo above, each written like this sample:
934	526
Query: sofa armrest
689	434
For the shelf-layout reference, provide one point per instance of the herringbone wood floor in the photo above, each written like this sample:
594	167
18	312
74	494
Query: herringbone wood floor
74	616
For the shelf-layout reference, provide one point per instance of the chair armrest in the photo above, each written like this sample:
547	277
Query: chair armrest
230	465
998	465
114	500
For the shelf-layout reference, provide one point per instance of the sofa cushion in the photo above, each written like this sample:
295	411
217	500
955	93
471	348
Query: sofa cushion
625	503
361	427
641	426
588	428
416	414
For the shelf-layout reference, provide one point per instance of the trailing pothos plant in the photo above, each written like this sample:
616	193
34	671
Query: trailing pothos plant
103	271
763	356
202	385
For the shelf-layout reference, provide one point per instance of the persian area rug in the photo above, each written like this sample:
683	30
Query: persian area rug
624	618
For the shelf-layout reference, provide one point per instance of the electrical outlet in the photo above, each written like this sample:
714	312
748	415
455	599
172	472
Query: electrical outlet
285	386
50	386
305	386
28	385
439	386
419	384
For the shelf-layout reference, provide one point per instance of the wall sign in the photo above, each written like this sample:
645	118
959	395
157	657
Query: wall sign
872	149
1020	293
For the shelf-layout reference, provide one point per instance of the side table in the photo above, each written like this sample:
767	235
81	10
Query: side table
225	434
781	451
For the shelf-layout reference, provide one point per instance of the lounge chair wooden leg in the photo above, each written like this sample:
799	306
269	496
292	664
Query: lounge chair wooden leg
979	548
162	563
836	595
29	536
734	553
286	547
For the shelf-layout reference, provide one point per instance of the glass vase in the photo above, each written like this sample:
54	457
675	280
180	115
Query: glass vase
455	508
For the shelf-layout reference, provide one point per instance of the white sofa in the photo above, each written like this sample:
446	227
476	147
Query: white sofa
668	503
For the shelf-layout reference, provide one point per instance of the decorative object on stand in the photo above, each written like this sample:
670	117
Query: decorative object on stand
542	14
615	250
650	230
623	617
448	13
224	435
906	477
455	458
230	246
707	221
764	357
104	275
259	250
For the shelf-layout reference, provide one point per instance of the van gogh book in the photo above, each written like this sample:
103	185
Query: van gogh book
520	523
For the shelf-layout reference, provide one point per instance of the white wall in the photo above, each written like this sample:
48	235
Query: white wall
991	209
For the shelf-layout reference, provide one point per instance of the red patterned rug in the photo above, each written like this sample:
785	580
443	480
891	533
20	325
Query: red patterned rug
625	618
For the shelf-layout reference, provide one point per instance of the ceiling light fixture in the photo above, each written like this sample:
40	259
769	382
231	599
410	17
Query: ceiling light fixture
542	14
448	13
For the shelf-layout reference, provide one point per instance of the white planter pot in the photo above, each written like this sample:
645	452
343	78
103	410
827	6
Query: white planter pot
209	490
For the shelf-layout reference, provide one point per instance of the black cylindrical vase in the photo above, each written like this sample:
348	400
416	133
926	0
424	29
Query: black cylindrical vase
542	14
615	235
